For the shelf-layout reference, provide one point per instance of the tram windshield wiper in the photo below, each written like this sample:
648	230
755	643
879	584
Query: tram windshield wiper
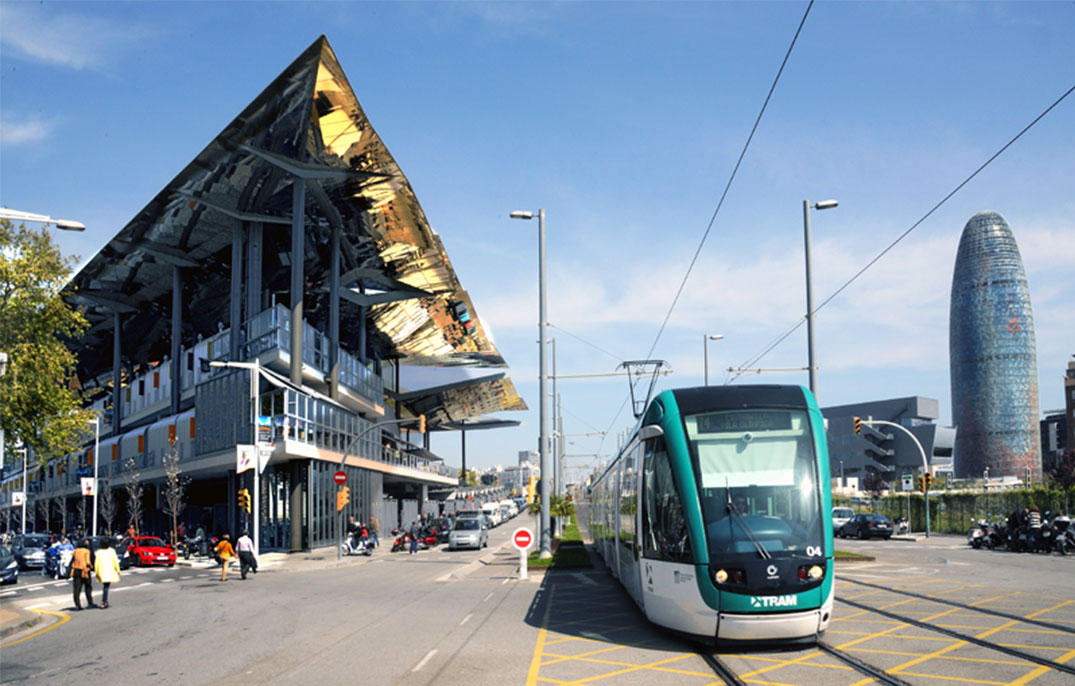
746	527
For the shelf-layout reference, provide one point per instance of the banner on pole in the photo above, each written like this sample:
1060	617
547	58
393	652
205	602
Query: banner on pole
89	485
18	498
244	458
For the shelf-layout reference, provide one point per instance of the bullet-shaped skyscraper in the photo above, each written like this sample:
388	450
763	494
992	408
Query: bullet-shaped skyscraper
993	355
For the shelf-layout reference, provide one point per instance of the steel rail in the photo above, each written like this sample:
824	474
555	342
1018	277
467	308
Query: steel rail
995	613
962	637
722	670
859	665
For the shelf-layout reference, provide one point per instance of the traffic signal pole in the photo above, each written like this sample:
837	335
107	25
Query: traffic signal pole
921	451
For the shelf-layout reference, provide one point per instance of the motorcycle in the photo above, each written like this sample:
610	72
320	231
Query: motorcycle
998	534
356	546
901	528
58	566
978	534
1065	535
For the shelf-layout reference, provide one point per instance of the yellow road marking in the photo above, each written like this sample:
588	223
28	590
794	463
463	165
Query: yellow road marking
64	618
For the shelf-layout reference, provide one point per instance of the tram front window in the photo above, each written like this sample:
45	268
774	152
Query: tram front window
758	477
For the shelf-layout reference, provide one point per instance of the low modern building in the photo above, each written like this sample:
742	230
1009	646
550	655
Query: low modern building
252	320
884	448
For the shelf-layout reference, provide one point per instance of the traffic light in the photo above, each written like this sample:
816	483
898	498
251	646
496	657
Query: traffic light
244	500
858	426
343	496
421	423
922	484
929	480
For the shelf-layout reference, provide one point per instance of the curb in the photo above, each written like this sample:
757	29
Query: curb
25	621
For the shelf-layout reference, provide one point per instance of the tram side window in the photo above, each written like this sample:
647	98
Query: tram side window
664	528
628	499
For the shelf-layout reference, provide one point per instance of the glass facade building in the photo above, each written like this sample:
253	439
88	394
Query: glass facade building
993	356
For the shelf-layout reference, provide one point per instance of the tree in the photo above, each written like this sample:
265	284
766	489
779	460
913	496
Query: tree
132	479
874	484
59	507
106	503
39	405
174	487
1063	472
81	510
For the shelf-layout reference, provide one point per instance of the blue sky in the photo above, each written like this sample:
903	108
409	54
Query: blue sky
624	121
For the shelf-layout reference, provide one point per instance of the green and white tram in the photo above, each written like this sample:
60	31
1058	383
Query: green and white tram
712	515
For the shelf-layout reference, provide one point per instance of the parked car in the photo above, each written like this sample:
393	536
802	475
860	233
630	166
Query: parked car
468	532
29	550
9	566
867	526
841	516
144	550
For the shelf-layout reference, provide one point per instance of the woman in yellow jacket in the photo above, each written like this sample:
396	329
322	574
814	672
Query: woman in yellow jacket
226	552
106	568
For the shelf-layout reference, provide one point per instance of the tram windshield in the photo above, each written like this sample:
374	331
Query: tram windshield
757	472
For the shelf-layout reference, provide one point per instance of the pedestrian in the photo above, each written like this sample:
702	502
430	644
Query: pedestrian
80	573
106	567
245	547
375	528
414	532
226	552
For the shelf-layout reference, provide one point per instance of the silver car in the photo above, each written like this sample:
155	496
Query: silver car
468	532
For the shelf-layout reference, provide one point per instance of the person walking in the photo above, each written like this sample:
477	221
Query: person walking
80	573
106	568
414	532
245	547
226	552
375	529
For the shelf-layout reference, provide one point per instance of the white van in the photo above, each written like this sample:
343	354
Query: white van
493	510
840	516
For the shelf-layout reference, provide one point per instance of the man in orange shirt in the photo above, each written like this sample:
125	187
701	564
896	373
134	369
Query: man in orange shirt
80	573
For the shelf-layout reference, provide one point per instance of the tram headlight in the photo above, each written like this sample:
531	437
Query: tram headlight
721	576
811	573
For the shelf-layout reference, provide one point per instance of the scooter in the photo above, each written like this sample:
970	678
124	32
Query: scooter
359	546
58	566
1065	535
978	534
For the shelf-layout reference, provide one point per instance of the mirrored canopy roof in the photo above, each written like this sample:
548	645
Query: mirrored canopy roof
307	124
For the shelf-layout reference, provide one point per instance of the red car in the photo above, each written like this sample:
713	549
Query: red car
144	550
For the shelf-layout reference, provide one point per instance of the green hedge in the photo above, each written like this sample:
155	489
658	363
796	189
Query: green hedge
955	513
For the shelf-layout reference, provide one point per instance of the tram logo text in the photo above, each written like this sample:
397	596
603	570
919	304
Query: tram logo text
774	601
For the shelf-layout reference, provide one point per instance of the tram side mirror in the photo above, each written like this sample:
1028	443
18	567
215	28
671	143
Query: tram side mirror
650	431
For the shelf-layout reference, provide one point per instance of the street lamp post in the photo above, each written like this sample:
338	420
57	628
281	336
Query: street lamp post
705	351
822	205
96	458
18	216
543	439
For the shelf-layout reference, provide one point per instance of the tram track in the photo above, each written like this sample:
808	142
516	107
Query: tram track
859	665
989	645
722	670
964	606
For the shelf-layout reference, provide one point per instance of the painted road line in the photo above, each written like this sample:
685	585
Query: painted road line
188	576
4	595
167	581
488	596
427	658
465	619
63	619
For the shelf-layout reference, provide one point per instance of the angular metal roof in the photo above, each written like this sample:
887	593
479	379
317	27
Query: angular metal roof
308	124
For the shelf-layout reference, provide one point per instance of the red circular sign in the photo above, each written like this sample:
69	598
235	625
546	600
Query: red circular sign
522	538
340	477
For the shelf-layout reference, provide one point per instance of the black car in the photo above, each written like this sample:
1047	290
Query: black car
9	566
867	526
29	550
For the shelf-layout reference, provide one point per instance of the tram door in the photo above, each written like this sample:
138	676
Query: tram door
669	590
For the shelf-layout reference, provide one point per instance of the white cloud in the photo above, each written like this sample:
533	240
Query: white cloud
37	33
25	132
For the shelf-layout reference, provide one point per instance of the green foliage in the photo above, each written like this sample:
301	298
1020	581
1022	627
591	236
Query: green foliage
1062	475
38	405
470	478
956	512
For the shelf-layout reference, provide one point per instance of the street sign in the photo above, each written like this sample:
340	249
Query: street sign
907	483
340	477
88	485
522	539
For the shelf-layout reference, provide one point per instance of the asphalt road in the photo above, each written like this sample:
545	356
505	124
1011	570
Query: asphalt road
392	618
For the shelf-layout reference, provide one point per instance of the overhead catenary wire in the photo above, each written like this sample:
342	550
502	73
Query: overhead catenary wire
720	203
780	339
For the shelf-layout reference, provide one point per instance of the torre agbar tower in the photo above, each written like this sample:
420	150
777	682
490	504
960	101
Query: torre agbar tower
993	357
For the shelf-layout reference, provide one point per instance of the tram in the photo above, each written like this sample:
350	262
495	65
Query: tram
712	516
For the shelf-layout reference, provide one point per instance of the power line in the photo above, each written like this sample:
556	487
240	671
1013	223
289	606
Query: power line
780	339
720	203
586	342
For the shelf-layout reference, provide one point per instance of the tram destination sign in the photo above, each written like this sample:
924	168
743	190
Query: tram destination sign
746	420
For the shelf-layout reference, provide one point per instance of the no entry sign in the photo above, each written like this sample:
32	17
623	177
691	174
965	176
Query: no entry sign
340	477
522	539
